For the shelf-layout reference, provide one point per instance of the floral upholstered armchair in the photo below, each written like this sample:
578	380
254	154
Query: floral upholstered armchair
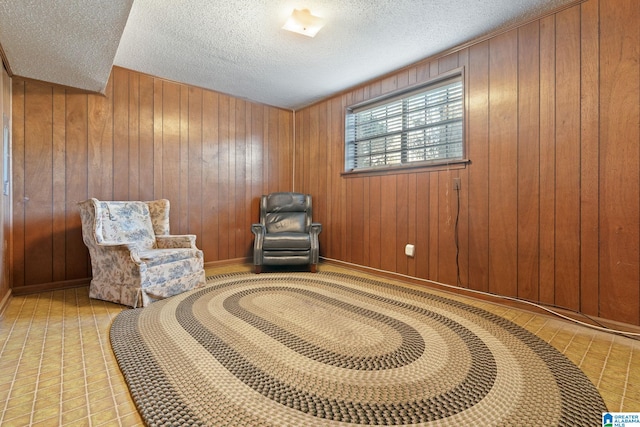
134	260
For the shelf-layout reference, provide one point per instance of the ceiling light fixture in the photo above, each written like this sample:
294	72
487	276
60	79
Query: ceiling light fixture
303	22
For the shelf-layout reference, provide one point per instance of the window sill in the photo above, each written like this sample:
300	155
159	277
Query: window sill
413	168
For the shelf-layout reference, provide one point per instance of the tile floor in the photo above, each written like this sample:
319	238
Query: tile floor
57	367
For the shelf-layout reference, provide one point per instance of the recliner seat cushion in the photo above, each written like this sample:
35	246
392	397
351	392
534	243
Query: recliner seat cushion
287	241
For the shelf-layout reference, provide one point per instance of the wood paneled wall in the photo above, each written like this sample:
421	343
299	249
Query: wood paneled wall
210	154
549	206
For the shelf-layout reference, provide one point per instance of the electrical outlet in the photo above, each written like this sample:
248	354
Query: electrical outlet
456	183
410	250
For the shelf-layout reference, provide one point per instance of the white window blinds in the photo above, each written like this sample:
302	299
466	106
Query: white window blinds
424	125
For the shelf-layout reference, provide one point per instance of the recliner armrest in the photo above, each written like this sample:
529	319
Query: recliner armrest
316	228
259	230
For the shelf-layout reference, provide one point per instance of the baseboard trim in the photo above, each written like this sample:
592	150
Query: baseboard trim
494	298
226	262
51	286
5	302
76	283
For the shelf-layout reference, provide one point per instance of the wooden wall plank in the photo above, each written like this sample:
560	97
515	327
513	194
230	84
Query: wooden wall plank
568	158
120	134
462	203
248	182
446	229
355	226
145	138
171	151
478	149
240	207
224	181
366	225
18	142
134	137
312	155
158	101
302	132
323	161
195	162
38	173
547	160
619	160
374	218
231	186
528	160
412	215
183	196
59	188
273	162
257	164
210	203
589	197
333	227
402	218
434	224
503	133
76	174
389	223
100	145
422	225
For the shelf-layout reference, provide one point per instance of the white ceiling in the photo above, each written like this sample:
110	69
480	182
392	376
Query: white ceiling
237	46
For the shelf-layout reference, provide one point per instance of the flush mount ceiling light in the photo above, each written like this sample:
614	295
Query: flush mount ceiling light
303	22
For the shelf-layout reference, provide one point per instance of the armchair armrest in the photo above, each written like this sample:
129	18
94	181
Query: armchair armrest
176	241
120	249
112	244
128	246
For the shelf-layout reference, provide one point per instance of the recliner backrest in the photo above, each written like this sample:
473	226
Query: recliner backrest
286	212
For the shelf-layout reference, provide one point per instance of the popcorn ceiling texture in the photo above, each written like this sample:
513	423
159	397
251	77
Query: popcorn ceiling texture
68	42
237	46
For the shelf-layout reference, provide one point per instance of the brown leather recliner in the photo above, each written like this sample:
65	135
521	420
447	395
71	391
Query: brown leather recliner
286	234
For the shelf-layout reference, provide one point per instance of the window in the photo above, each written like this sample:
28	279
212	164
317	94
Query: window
422	126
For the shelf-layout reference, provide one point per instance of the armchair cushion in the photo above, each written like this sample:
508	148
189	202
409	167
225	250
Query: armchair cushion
153	257
122	222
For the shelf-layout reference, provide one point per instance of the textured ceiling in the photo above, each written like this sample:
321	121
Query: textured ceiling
237	46
68	42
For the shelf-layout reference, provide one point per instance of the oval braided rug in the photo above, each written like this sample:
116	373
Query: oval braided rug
302	349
